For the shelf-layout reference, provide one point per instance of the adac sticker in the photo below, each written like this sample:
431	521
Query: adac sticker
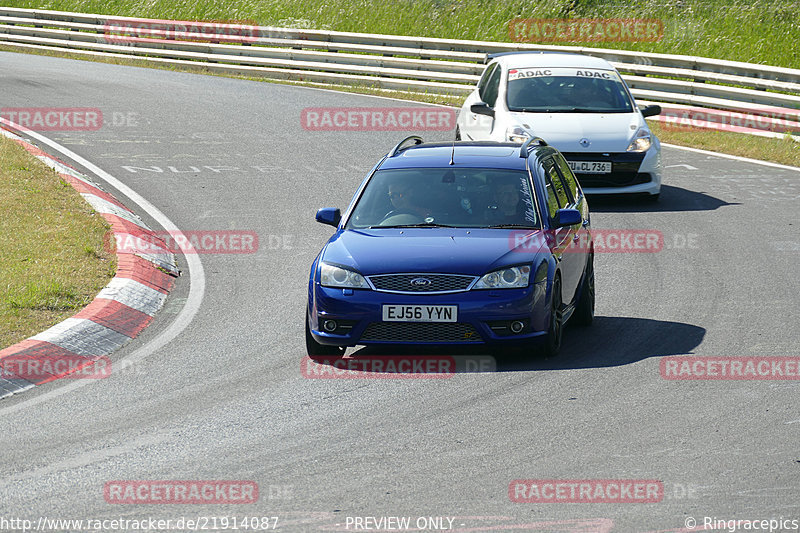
590	73
515	74
521	73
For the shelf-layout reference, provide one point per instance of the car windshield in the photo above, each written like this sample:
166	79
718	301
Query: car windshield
566	90
444	197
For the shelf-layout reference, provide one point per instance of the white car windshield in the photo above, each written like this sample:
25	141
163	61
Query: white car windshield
436	197
567	90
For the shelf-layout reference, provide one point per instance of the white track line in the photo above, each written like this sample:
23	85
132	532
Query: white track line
197	277
734	157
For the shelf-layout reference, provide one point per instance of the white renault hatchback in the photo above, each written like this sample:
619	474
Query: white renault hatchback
578	104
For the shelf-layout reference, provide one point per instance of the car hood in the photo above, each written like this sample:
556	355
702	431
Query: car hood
607	132
459	251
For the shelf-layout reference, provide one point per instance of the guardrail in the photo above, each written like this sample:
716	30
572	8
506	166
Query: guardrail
763	96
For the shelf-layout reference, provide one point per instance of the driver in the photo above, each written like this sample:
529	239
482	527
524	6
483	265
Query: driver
403	201
586	94
508	207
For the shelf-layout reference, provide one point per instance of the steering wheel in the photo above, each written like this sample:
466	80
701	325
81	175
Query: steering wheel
399	217
401	211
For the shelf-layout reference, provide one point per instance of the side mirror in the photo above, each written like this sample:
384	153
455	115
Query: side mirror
482	108
330	216
567	217
651	111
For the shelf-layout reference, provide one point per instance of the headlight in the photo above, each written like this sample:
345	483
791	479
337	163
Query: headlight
508	278
641	141
517	134
334	276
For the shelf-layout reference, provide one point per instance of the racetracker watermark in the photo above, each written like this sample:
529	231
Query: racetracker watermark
42	368
677	367
377	119
130	30
54	118
181	491
775	120
586	491
394	366
192	242
603	240
585	30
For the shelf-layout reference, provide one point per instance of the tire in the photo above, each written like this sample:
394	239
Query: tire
584	313
458	134
315	349
552	341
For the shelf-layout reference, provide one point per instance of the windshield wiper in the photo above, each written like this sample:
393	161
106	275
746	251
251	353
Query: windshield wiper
503	226
565	110
422	225
587	110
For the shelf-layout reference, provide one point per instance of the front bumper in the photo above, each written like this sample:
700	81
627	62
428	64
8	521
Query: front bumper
481	317
632	173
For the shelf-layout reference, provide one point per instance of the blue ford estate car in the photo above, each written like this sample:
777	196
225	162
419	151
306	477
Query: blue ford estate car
465	243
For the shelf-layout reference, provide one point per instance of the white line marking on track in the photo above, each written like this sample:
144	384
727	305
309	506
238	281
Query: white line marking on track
197	278
734	157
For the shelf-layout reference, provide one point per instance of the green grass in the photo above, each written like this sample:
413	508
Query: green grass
52	259
757	31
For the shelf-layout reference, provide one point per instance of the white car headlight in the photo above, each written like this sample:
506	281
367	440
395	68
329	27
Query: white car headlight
517	134
507	278
641	141
335	276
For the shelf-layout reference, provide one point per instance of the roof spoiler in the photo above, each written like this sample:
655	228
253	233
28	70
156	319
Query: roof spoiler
524	150
399	146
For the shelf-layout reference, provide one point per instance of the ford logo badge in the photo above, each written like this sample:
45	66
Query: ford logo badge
420	282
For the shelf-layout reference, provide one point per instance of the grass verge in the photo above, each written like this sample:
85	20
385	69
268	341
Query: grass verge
52	259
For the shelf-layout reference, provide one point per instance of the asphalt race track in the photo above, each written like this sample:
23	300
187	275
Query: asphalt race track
226	400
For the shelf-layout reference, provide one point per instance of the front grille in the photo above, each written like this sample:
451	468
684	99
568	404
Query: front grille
624	169
437	282
418	332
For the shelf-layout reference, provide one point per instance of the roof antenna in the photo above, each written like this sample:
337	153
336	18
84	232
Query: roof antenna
453	153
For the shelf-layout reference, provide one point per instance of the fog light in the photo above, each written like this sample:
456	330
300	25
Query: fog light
329	326
517	326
